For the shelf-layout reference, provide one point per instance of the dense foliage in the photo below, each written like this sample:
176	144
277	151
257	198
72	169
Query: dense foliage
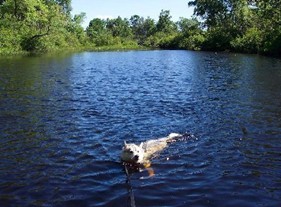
164	33
38	25
252	26
234	25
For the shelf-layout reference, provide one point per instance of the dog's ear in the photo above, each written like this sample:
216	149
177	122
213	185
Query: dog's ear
141	145
125	145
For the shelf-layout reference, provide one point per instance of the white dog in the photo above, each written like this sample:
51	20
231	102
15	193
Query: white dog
141	154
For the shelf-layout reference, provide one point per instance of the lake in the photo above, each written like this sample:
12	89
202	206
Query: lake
63	120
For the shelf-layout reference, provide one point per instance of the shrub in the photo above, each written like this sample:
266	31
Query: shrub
193	42
250	42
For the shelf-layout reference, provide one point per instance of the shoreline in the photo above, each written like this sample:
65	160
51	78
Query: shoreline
115	48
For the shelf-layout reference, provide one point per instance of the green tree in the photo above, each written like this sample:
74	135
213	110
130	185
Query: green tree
269	22
186	26
165	24
42	20
96	28
148	27
135	22
74	27
31	19
165	32
244	25
191	36
119	27
142	28
98	33
212	12
37	25
224	21
64	4
112	32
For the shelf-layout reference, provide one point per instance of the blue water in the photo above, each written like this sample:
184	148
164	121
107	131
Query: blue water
63	120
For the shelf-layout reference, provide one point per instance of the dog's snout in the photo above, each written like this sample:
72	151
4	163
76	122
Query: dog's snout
136	157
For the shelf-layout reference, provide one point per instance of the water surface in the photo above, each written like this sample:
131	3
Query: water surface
63	120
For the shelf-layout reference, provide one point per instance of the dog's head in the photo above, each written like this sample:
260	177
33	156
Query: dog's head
132	153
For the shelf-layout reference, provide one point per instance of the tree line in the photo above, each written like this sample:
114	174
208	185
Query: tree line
249	26
164	33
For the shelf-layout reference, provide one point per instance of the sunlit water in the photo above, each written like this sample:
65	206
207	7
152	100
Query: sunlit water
63	121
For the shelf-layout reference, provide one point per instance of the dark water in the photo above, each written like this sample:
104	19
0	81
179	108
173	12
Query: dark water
63	121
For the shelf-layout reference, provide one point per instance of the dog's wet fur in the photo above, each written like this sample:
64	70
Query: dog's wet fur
140	155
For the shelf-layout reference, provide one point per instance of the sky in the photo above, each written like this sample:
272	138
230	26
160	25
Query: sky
126	8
